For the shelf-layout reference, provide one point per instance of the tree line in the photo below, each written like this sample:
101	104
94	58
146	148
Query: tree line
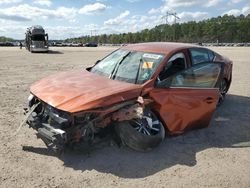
223	29
6	39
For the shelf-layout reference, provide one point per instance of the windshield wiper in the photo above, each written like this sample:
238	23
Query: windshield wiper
114	71
139	70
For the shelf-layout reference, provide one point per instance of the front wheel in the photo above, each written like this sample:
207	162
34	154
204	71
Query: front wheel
223	88
142	134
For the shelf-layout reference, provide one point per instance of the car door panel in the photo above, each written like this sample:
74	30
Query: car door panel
183	108
188	99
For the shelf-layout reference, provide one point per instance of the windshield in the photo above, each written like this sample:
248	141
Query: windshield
38	37
129	66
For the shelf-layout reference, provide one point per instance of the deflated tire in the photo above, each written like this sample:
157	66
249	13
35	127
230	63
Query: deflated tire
142	134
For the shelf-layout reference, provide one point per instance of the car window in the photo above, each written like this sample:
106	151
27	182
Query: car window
129	66
138	67
211	55
204	75
199	55
106	66
175	64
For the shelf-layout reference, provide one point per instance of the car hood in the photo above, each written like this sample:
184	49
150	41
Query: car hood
76	91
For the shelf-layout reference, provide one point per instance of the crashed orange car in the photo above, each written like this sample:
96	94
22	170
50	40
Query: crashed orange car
144	91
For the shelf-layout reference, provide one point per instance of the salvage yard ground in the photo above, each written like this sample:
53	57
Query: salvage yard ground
218	156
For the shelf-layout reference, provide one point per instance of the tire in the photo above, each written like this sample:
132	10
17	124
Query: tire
223	88
137	138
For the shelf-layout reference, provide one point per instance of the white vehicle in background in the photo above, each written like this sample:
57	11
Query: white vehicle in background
36	39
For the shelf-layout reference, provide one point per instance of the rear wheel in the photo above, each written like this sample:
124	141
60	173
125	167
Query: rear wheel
142	134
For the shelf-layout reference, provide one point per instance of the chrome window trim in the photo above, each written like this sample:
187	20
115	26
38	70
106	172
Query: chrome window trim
191	88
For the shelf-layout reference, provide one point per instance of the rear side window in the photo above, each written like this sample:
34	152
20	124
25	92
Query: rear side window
200	55
203	75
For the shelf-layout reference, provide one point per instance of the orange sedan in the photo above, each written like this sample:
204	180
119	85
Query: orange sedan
141	91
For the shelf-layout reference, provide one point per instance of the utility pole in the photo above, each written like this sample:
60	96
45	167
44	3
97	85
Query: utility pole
175	19
166	23
92	32
166	17
174	14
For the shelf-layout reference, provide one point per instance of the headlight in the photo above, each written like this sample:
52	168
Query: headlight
57	117
32	46
85	118
56	112
31	100
61	119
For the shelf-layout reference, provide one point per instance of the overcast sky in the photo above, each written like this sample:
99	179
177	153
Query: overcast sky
72	18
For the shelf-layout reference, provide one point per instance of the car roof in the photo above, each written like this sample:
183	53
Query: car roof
159	47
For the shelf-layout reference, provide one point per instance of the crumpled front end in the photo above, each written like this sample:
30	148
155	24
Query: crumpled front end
59	129
50	123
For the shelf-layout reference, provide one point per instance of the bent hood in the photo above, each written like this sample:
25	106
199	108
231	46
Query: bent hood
82	90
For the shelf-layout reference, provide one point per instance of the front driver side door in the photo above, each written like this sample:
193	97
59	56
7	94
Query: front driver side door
188	99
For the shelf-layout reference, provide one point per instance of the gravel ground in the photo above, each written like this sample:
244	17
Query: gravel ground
217	156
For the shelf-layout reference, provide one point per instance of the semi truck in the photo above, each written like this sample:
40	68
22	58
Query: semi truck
36	39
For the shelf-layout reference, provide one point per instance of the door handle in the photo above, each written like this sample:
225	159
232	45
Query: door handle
209	100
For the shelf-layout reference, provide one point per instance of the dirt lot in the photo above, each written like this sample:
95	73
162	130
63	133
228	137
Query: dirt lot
218	156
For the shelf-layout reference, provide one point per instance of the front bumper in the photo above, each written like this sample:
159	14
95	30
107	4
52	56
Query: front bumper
54	138
34	49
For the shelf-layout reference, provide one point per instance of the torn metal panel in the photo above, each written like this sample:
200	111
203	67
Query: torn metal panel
28	114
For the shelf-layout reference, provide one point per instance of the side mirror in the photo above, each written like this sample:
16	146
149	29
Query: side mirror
97	61
164	83
47	36
88	68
